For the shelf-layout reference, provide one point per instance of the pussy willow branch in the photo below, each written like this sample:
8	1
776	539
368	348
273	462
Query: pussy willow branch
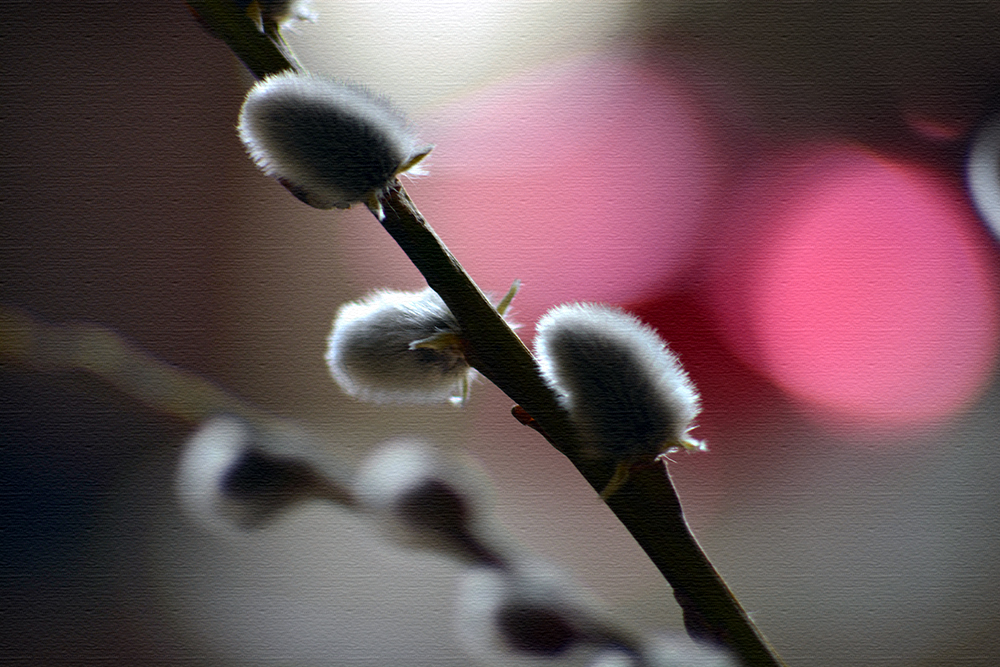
647	504
494	350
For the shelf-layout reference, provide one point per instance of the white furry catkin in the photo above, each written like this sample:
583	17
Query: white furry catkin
330	143
625	391
233	476
532	614
428	500
399	347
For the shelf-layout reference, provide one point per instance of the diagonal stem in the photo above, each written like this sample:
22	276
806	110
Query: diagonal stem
647	504
494	349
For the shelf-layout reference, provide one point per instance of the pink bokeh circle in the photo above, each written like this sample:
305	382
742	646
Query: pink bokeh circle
588	180
864	287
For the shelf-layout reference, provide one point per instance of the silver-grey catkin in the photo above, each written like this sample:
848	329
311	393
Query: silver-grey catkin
429	500
269	14
531	613
398	347
331	143
232	475
624	389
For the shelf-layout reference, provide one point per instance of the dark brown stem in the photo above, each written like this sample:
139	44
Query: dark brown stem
646	504
261	54
493	349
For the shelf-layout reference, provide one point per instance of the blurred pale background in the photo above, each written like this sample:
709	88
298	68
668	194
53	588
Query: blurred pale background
776	187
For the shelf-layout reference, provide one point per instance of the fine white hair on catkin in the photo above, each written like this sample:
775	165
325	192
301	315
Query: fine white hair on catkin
331	143
623	388
398	347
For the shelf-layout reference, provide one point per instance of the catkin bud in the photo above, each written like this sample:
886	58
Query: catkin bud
332	144
532	614
427	500
399	347
231	475
623	388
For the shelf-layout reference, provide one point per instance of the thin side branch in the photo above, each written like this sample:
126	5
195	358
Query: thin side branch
29	342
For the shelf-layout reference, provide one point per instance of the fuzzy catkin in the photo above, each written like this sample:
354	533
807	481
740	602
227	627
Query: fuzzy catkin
374	350
429	500
623	388
530	612
229	477
331	143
